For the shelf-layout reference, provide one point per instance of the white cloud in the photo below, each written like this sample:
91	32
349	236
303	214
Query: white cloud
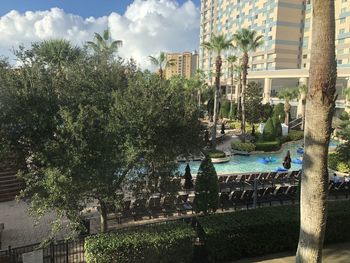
146	28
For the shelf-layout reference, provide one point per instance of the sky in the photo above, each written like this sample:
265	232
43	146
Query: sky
146	27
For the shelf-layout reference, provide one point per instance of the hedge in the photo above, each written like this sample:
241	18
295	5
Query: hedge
245	147
232	236
216	154
166	243
268	146
295	135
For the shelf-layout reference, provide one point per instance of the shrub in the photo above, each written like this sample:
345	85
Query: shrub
269	131
277	127
207	188
225	109
268	230
278	112
216	154
268	146
170	242
295	135
245	147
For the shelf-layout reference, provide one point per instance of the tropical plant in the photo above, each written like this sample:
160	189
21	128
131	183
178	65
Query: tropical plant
231	60
161	62
246	41
217	44
287	95
253	102
302	96
320	104
103	45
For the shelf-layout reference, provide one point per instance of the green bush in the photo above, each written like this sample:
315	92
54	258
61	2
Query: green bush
168	243
277	127
278	112
268	146
336	162
225	109
216	154
295	135
245	147
207	188
269	131
232	236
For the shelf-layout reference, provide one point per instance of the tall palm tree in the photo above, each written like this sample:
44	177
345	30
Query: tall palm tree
162	63
238	71
200	83
217	44
302	94
103	44
231	60
320	104
246	41
287	95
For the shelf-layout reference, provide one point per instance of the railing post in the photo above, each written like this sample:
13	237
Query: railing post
10	256
255	194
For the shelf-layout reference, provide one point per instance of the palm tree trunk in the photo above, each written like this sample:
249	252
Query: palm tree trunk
286	111
319	111
244	80
239	108
231	105
303	102
216	99
199	98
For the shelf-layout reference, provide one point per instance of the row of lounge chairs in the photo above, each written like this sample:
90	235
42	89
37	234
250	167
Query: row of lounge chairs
263	179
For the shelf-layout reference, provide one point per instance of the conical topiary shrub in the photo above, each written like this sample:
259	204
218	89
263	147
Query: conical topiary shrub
188	178
269	131
207	188
277	126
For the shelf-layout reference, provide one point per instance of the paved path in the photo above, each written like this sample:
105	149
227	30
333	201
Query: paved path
335	253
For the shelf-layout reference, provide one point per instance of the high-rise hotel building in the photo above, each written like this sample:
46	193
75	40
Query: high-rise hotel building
284	59
184	64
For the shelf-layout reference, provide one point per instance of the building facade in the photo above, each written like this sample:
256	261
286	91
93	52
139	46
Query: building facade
184	64
284	59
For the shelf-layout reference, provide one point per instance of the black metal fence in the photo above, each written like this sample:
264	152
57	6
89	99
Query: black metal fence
69	251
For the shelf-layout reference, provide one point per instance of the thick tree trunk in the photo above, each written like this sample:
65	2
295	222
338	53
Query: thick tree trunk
319	110
103	215
244	80
218	64
286	111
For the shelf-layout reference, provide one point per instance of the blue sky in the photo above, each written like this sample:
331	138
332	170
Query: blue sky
84	8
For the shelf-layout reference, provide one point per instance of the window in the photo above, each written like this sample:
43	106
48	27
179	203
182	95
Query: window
256	16
341	31
340	51
304	65
342	20
270	37
270	29
341	41
305	56
343	10
339	61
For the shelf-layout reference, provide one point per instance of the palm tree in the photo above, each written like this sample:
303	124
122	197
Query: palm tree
231	60
246	41
302	93
287	95
162	63
56	53
104	46
200	84
238	71
320	104
217	44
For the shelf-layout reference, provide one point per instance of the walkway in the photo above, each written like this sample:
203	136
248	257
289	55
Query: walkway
336	253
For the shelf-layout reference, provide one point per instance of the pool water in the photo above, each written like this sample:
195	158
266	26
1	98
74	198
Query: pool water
245	164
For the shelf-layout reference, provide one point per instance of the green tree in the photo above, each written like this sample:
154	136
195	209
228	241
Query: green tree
103	46
278	111
320	104
269	130
161	123
246	41
162	63
217	44
206	188
232	59
287	95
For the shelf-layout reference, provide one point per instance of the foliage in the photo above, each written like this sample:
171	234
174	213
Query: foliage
268	146
231	236
216	154
241	146
253	102
278	112
269	130
265	112
161	62
338	161
218	43
277	127
206	188
288	94
225	109
169	242
295	135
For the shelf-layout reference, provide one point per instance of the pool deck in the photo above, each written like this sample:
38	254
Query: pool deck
335	253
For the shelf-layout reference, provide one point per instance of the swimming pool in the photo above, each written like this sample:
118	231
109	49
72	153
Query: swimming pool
245	164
